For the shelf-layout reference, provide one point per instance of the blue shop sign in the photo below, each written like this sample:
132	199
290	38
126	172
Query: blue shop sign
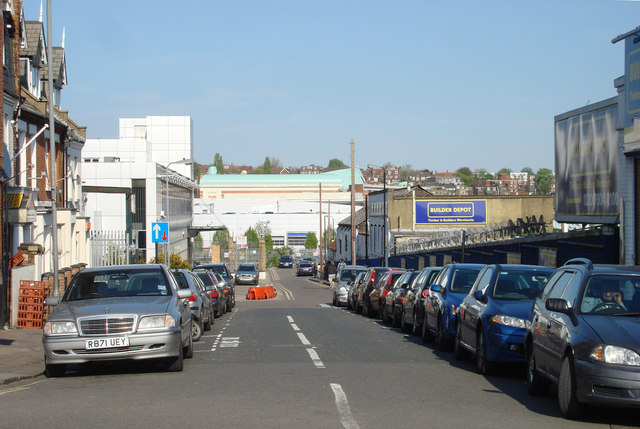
451	212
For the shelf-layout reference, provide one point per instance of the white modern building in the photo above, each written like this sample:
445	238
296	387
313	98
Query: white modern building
142	177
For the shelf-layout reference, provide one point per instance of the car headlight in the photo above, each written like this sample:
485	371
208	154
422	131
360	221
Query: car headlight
59	328
159	321
616	355
342	290
514	322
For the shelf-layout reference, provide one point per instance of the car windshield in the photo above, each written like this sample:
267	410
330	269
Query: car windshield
286	258
611	294
348	275
246	269
463	279
305	265
96	284
520	285
205	277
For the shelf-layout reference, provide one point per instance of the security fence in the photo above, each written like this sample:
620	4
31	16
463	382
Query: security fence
108	248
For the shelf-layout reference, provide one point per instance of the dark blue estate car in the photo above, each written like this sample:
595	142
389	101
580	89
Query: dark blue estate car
584	337
493	317
445	295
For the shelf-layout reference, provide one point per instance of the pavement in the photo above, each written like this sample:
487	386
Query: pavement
21	354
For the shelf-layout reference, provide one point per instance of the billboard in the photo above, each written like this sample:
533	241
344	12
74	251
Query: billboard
451	212
586	164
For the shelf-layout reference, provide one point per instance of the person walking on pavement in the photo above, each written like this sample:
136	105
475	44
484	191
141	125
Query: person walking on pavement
332	271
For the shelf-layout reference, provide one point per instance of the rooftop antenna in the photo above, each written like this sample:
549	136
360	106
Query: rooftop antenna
40	19
63	31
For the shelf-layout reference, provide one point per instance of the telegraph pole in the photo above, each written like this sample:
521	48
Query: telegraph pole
52	157
320	198
353	204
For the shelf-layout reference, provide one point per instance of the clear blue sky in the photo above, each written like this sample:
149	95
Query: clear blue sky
430	84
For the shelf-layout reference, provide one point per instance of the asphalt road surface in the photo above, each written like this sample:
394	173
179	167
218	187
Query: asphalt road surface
293	362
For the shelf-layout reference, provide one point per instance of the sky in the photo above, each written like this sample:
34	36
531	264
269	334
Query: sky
423	84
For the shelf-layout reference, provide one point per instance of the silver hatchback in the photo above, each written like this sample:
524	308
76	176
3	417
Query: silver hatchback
118	313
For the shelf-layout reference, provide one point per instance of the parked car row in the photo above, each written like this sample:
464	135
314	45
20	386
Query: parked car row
576	327
134	312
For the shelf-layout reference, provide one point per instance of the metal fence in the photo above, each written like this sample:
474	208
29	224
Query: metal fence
108	248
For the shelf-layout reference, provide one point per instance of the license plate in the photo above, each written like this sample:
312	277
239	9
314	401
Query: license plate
105	343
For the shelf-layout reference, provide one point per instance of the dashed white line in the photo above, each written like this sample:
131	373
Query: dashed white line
295	327
303	339
347	419
315	358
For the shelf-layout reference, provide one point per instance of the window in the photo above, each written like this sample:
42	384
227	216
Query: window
483	280
557	290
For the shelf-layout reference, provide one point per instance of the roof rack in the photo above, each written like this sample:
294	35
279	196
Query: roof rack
580	261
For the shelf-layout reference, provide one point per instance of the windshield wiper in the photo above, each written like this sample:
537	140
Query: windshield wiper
626	314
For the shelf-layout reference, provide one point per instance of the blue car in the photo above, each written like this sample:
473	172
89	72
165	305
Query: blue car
445	295
492	318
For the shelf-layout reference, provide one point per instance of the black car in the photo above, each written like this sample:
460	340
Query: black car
223	271
286	261
583	337
413	305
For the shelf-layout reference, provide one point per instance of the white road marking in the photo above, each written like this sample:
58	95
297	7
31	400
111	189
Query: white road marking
290	319
347	419
315	358
230	342
295	327
303	339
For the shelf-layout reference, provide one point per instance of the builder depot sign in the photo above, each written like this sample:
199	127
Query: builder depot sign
451	212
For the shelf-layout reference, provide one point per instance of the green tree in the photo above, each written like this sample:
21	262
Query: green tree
311	242
252	237
197	168
527	170
544	181
217	162
221	238
336	163
197	242
466	171
266	166
504	171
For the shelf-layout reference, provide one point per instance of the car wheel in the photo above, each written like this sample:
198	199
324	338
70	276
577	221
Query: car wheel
427	336
483	366
536	384
196	329
396	318
441	340
383	314
567	398
414	326
176	364
188	351
334	301
358	308
55	370
207	324
459	352
403	325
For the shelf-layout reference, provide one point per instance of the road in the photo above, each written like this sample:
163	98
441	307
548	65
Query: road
293	362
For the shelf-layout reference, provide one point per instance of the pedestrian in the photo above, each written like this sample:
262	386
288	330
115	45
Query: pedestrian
341	264
325	272
332	271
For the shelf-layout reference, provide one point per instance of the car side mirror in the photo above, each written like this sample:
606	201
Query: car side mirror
52	301
558	305
436	288
479	296
184	293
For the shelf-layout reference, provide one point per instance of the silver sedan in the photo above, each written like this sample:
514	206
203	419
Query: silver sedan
118	313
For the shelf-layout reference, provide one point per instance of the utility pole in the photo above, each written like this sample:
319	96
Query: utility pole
320	198
353	204
52	157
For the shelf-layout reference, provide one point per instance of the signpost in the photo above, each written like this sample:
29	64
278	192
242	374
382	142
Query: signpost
159	232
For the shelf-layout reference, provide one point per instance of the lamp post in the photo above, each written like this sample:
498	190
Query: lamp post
185	161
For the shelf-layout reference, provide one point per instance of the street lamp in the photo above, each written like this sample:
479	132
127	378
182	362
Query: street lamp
184	161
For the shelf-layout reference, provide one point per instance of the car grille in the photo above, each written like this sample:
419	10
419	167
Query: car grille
111	350
107	325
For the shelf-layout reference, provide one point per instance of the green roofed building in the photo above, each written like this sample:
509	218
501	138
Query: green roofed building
335	185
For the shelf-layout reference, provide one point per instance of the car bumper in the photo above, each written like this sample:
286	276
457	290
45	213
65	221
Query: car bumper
607	385
246	280
506	344
71	349
305	273
342	298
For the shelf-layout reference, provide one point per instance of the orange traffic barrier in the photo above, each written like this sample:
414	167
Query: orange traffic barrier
261	292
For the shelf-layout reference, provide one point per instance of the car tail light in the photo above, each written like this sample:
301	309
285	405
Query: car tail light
226	291
402	296
373	276
384	294
425	293
192	297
